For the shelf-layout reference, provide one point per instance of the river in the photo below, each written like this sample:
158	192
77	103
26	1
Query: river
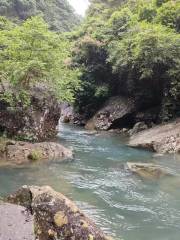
122	204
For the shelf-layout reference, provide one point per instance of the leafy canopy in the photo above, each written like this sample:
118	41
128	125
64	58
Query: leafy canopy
30	54
135	44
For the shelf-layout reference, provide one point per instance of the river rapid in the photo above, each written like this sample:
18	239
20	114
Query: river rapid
122	204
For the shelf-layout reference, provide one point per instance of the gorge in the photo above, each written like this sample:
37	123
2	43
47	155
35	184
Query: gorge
90	106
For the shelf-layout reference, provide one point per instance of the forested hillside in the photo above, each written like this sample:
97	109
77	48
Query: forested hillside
57	13
130	48
34	73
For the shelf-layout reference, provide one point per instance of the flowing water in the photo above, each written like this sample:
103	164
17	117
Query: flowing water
122	204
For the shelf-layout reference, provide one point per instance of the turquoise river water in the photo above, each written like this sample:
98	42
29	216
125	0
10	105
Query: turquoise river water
122	204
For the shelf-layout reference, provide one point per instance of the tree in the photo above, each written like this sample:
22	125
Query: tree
169	15
57	13
31	54
139	42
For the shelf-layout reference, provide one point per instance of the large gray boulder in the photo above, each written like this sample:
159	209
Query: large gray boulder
164	138
36	122
17	152
117	111
55	216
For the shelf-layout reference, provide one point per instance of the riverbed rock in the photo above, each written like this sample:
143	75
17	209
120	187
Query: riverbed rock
17	152
67	113
55	216
163	138
36	122
148	170
138	127
117	112
16	223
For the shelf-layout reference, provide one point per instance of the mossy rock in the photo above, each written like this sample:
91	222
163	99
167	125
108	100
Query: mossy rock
35	155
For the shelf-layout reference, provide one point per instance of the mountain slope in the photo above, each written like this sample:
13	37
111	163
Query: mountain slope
58	13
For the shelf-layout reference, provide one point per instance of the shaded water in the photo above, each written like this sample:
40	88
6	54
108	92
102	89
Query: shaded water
122	204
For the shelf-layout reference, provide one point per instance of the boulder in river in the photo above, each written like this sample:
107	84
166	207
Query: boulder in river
148	170
17	152
164	138
117	112
55	216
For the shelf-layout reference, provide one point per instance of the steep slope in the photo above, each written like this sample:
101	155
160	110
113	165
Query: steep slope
58	13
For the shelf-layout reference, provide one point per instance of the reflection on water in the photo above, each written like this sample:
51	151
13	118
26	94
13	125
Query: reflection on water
122	204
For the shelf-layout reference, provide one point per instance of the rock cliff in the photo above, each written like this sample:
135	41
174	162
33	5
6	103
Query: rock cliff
36	122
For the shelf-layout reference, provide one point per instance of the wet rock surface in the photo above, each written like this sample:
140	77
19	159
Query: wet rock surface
116	111
148	170
67	113
16	223
138	127
17	152
55	216
163	138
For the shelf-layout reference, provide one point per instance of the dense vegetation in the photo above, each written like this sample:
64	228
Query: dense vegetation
57	13
130	48
31	55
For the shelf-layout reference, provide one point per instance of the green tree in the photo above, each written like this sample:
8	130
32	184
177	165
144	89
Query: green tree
169	15
135	45
57	13
30	54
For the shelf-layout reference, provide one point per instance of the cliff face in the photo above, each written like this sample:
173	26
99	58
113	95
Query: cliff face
36	122
57	13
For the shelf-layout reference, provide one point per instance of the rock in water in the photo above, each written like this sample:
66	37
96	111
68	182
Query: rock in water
148	170
24	152
116	111
163	138
15	223
55	216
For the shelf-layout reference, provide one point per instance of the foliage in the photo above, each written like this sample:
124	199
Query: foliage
149	54
5	23
30	54
90	56
169	15
57	13
35	155
137	46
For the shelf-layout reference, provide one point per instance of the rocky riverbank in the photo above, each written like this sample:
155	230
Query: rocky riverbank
163	138
44	215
